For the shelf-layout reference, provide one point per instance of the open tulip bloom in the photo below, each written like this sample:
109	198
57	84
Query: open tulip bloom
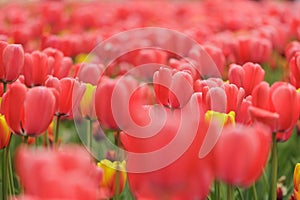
150	100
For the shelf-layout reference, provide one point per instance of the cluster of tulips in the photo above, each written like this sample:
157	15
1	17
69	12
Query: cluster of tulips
195	109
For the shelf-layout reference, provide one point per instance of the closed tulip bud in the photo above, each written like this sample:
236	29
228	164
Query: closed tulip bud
242	167
36	68
28	111
297	181
114	176
247	76
11	61
294	65
87	102
4	132
112	96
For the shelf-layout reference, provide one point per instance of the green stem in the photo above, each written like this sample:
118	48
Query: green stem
274	162
90	134
230	192
217	190
57	130
4	190
4	87
47	139
254	192
25	139
10	174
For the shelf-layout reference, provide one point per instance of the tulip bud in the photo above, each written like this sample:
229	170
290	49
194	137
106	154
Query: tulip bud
4	132
11	61
114	176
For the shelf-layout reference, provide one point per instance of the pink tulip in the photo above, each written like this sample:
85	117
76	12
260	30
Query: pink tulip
11	61
269	107
106	103
28	111
172	89
247	76
291	49
41	172
69	93
294	65
60	66
242	167
36	68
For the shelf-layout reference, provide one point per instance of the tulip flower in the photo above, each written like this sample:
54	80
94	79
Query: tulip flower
60	66
247	76
67	173
11	61
110	95
269	107
297	181
172	90
28	111
242	167
294	65
114	176
217	55
4	132
36	68
165	160
253	49
291	49
219	96
69	93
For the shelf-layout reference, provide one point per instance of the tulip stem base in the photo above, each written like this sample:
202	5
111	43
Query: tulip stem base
274	163
230	192
57	130
217	190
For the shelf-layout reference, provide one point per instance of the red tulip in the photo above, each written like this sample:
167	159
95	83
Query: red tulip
294	65
163	156
36	68
112	96
172	89
28	111
67	173
291	49
269	105
219	96
247	76
242	167
11	61
60	66
217	55
253	49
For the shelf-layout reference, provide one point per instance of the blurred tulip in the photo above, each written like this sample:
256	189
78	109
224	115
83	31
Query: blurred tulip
36	68
28	111
172	89
297	181
106	103
4	132
87	102
294	65
11	61
291	49
114	176
269	107
253	49
217	55
176	143
41	172
247	76
243	167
